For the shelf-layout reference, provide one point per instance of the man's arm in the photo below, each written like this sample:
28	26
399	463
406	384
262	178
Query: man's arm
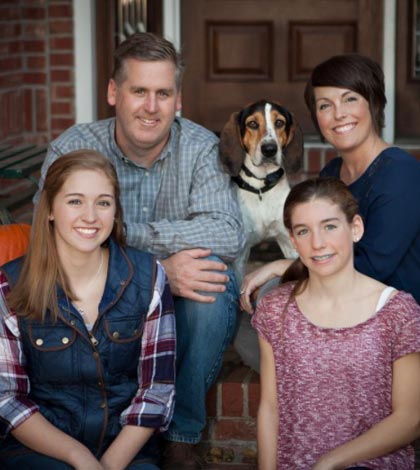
211	217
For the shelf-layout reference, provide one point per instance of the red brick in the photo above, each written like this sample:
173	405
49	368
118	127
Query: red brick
10	30
35	78
33	13
61	26
41	110
10	64
32	3
62	91
58	123
33	46
235	429
65	75
10	80
232	399
330	154
36	62
61	43
11	107
211	401
34	30
8	13
10	48
253	398
27	109
60	10
314	160
61	59
62	108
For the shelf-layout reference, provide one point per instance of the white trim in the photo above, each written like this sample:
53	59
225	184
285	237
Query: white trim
85	63
389	47
172	22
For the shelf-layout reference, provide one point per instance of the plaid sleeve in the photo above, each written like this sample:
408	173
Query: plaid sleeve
15	407
153	404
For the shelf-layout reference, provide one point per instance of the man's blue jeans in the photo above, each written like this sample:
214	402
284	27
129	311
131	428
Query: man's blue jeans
204	332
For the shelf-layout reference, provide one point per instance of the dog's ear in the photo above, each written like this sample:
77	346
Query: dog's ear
293	152
232	153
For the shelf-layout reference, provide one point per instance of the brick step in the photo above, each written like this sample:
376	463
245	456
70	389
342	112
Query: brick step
229	440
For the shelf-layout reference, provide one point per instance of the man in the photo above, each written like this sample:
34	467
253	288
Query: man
178	204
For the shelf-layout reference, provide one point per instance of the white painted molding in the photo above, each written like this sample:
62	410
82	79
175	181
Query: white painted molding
85	60
172	22
388	59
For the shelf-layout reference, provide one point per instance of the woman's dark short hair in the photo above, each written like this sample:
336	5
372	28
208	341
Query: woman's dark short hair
147	47
354	72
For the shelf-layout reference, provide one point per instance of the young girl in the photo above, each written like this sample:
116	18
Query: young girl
340	362
87	335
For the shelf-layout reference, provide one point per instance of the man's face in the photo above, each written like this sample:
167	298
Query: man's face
145	103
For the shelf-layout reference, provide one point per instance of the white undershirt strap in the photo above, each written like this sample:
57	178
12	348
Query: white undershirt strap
383	298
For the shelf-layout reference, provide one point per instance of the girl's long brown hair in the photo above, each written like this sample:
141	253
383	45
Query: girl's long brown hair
332	189
35	290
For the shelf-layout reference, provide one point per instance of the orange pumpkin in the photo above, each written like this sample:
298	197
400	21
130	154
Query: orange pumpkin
14	240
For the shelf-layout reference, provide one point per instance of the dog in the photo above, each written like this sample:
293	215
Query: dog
259	147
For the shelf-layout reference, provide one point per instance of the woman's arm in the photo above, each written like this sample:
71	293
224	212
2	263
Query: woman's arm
257	278
398	429
152	406
267	422
40	435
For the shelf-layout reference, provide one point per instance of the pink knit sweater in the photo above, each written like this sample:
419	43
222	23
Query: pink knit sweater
333	384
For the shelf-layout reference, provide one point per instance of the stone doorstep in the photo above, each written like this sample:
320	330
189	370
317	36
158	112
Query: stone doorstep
229	439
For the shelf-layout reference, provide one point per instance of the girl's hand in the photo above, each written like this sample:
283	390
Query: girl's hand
257	278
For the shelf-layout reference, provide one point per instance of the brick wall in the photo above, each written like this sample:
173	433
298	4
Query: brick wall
36	70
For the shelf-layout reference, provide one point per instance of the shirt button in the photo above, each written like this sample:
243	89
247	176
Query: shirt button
145	209
39	342
72	322
65	340
95	355
100	384
115	335
103	405
147	174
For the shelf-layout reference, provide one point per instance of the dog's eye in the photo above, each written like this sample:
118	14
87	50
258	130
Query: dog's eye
252	124
279	124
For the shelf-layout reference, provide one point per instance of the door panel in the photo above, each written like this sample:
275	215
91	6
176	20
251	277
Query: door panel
407	106
241	51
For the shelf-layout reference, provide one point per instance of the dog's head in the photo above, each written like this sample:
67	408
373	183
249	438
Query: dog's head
264	131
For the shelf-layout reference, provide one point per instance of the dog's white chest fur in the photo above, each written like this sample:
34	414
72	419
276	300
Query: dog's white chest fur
263	220
263	213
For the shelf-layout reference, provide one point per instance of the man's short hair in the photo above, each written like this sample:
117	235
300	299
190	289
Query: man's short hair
149	48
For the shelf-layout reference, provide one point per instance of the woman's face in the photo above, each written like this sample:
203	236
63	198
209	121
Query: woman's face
83	212
344	117
323	237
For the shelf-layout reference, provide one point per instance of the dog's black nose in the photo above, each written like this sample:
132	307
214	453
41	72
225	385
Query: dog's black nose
269	149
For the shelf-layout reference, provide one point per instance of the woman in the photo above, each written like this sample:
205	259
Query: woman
87	335
340	351
346	98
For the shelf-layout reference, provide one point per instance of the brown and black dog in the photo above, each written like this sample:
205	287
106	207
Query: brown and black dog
259	146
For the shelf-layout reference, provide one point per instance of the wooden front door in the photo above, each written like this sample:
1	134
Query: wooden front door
239	51
407	103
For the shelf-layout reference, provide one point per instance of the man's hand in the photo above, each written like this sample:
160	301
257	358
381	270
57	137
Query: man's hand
190	275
